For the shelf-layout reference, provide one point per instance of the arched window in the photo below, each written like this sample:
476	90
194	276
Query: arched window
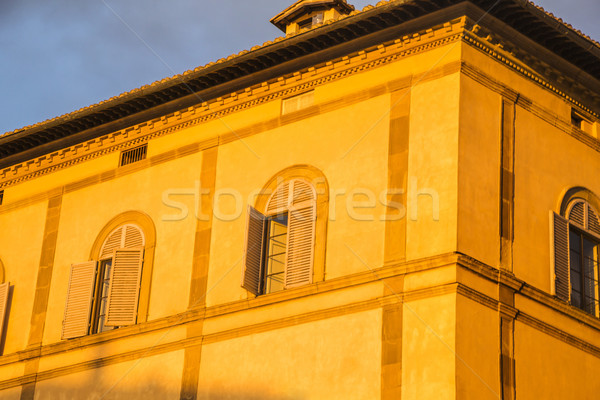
576	255
280	243
104	293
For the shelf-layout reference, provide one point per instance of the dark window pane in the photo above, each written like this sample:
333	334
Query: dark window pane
574	241
576	298
575	279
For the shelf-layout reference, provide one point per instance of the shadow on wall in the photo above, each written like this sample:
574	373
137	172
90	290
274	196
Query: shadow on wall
6	318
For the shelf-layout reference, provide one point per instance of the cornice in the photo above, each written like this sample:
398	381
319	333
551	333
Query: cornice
286	86
534	62
494	45
358	30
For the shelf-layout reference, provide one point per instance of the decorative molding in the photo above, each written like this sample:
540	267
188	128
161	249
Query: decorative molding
237	101
194	316
458	29
527	65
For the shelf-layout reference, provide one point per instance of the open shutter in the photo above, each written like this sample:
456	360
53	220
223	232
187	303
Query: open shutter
3	305
300	247
253	254
79	300
124	287
560	242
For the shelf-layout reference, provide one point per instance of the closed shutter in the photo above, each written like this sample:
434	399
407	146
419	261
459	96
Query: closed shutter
280	199
561	257
124	237
3	305
124	287
300	248
112	243
593	223
79	300
133	237
577	213
303	191
253	254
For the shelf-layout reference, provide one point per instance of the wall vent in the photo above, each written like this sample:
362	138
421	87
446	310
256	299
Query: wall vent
576	119
134	155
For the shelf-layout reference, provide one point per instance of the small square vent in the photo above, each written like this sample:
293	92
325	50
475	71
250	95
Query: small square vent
134	155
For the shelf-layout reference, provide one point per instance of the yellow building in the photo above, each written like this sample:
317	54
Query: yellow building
396	203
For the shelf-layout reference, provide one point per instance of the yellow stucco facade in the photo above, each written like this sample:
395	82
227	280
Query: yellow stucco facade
417	147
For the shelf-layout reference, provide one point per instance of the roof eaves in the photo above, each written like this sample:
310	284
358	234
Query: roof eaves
585	41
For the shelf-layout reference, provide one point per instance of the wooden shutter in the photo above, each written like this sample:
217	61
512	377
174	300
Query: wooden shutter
577	213
303	191
300	247
280	199
560	242
4	288
133	237
592	223
112	243
253	254
124	287
79	300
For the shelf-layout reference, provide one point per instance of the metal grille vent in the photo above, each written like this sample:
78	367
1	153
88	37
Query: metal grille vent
134	155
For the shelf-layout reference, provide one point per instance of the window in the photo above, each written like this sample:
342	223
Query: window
311	21
576	256
280	243
103	294
134	155
576	119
1	196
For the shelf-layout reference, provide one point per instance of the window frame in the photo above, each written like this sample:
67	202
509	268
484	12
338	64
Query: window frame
290	197
127	246
579	218
584	235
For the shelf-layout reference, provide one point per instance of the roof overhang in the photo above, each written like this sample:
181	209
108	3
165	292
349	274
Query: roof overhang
373	26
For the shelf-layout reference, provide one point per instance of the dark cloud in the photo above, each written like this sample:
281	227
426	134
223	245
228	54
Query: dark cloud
58	56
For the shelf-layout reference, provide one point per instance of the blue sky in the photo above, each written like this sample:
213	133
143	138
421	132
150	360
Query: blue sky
61	55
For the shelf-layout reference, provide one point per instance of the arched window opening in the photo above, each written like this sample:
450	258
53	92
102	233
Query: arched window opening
104	293
280	243
577	255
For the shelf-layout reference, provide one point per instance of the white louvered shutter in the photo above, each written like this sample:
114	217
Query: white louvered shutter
124	237
300	245
302	192
4	289
280	199
124	287
133	237
253	254
112	243
80	295
561	257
